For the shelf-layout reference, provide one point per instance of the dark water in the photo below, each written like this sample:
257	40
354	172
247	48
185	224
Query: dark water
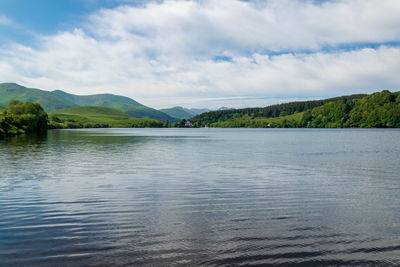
211	197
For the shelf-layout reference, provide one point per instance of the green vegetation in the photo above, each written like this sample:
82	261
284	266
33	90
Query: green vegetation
22	118
273	111
60	100
121	103
246	121
380	109
48	100
98	117
179	112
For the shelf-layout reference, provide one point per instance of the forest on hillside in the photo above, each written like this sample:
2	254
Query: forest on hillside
378	110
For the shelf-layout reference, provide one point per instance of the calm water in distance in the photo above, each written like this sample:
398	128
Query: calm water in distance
211	197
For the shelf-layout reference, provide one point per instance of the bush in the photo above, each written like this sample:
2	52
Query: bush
22	118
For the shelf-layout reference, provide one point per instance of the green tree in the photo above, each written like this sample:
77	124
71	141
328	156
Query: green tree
30	117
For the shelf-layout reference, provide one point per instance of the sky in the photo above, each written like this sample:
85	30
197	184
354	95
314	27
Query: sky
204	53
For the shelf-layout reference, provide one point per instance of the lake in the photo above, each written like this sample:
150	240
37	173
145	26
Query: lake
210	197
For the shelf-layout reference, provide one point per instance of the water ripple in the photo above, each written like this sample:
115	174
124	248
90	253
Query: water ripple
207	197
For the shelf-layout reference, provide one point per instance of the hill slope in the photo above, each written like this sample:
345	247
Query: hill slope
59	100
121	103
267	112
48	100
378	110
90	116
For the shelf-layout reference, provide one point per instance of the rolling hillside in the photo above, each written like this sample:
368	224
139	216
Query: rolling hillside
48	100
90	116
60	100
121	103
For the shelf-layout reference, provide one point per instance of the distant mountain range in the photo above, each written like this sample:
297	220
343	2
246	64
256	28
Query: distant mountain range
60	100
183	113
225	108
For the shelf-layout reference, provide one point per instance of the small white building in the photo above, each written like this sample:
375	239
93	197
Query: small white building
188	123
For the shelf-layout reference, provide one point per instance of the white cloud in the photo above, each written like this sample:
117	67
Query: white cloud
167	50
4	20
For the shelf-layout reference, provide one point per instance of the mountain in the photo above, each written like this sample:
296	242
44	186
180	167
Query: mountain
89	116
60	100
183	113
48	100
179	112
198	111
225	108
121	103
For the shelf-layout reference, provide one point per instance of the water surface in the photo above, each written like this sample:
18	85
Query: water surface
201	197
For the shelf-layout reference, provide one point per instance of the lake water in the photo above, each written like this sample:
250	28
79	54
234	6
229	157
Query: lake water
211	197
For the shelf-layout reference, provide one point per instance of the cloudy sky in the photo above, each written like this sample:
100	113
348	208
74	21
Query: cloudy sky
205	53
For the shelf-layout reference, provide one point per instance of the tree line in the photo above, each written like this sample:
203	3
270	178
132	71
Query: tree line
378	110
381	109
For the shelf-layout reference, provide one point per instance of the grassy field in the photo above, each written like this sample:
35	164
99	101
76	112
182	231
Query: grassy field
78	117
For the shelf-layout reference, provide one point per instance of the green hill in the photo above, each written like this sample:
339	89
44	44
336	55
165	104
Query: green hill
90	116
279	110
179	112
381	109
48	100
59	100
121	103
378	110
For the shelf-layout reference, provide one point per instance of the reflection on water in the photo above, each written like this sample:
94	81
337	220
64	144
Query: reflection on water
201	197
